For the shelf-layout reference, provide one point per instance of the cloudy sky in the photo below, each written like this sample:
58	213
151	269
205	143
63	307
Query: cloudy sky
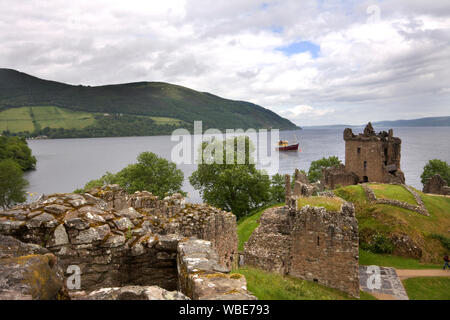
315	62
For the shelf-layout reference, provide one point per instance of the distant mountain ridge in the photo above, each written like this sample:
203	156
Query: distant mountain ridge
150	99
421	122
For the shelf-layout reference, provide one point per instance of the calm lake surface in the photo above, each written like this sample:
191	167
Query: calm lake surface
66	164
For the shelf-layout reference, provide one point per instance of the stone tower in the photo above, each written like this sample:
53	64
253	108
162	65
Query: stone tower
373	157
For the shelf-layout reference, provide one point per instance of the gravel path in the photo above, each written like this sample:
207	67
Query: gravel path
405	273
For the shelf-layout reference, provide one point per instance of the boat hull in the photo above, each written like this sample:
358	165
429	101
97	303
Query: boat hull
292	147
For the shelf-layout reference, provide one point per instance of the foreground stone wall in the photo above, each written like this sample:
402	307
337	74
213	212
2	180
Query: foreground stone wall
310	243
117	239
201	276
28	271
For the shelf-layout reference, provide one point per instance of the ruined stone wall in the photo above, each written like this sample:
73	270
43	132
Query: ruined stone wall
118	239
325	247
338	176
310	243
436	185
373	157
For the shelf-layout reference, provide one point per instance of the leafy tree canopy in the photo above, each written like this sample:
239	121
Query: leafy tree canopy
433	167
17	149
150	173
234	185
12	183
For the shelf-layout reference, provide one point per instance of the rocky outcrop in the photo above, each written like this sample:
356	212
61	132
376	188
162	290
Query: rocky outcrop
201	276
436	185
28	271
118	239
309	243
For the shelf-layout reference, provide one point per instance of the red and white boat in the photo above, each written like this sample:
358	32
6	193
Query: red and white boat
283	145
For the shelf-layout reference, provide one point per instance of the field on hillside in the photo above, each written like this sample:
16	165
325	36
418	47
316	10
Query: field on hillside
30	118
166	120
82	124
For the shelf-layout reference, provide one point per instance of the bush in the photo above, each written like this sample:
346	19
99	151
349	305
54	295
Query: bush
433	167
376	243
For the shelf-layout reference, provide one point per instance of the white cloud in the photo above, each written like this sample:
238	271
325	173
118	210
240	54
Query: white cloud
394	67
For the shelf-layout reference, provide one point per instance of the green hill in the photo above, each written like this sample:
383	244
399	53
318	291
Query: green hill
162	106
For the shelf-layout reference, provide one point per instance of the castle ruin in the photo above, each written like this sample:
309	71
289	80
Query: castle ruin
373	157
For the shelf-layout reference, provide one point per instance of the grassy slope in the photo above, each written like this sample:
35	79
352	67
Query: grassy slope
155	99
427	288
393	192
390	219
271	286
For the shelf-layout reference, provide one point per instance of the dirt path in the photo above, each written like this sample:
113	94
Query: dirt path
405	273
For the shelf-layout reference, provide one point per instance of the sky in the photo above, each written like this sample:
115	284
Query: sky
313	62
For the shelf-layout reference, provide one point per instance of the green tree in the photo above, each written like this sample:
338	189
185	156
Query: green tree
315	170
234	185
150	173
433	167
17	149
277	188
12	183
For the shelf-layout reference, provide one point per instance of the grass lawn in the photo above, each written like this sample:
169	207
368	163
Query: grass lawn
247	224
392	192
329	203
386	260
272	286
428	288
